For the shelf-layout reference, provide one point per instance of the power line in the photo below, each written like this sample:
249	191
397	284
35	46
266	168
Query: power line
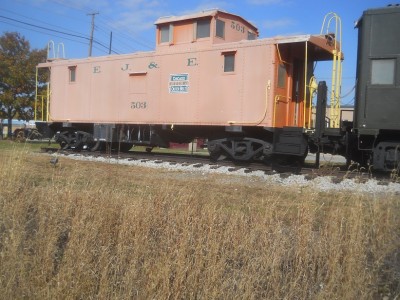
116	37
40	21
129	37
39	31
44	28
116	31
56	31
107	23
125	40
104	46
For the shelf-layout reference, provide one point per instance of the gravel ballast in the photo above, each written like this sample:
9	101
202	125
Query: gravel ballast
322	183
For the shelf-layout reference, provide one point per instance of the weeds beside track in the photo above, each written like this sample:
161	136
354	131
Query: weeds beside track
84	230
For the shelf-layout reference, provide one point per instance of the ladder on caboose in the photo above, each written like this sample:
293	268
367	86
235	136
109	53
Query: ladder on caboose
336	39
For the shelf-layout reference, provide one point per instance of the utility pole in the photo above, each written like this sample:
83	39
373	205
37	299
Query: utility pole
91	33
109	49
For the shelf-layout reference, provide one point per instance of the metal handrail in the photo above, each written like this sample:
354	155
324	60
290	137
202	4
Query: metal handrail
276	100
336	67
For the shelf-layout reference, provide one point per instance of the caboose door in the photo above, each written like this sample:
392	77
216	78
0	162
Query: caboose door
296	107
294	68
282	97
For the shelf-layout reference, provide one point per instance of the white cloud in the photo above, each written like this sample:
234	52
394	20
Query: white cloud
176	10
138	15
136	20
265	2
141	14
87	5
223	5
140	3
282	23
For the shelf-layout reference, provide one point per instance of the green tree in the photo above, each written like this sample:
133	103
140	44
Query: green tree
17	77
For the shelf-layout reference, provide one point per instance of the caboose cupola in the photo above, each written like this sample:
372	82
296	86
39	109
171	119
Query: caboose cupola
203	29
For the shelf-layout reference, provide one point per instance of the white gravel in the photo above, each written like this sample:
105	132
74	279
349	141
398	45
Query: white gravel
296	181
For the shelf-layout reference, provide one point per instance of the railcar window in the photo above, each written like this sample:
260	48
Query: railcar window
220	30
251	35
281	76
203	28
164	34
72	73
229	62
383	71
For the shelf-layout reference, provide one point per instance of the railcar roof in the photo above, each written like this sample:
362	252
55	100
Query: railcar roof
319	46
391	8
202	14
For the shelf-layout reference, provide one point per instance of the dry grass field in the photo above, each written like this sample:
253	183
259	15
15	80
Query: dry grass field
84	230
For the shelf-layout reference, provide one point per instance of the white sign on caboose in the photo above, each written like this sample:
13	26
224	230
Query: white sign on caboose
178	83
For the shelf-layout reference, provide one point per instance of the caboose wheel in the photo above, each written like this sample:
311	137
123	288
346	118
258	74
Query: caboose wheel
75	141
63	140
216	156
69	140
95	146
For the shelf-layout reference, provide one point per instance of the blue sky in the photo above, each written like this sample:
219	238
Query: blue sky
132	22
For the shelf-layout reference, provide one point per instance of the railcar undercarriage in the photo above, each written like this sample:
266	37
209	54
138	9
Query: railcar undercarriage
240	149
285	147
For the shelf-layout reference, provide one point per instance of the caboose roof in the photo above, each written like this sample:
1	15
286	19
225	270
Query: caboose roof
203	14
319	46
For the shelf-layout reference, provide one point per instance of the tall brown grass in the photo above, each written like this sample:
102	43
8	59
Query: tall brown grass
85	230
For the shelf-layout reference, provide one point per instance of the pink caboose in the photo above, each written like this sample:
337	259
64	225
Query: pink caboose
209	77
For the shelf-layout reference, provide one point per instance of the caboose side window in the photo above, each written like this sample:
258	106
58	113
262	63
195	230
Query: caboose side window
203	28
383	71
229	61
251	35
165	34
220	28
72	73
281	76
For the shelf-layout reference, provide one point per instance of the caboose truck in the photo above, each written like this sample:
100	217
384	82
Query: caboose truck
209	77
